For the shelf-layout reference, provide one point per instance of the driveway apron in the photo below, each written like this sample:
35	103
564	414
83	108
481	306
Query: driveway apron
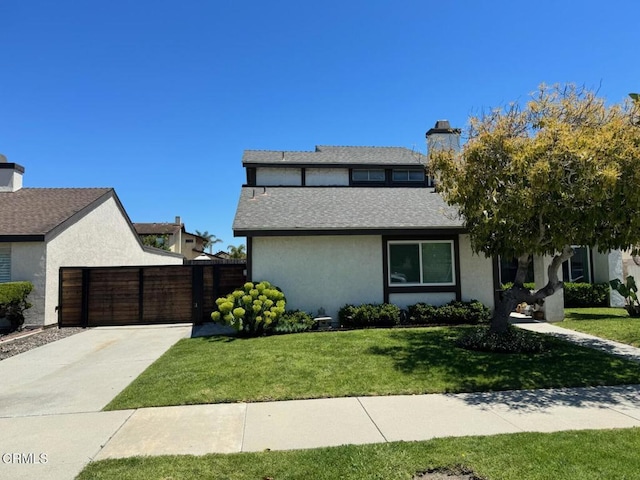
83	372
51	397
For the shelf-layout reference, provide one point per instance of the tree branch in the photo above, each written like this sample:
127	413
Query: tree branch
523	267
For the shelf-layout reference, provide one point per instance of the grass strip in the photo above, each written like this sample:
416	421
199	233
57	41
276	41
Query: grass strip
610	323
522	456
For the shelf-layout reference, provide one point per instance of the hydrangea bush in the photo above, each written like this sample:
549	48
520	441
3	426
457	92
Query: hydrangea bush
253	309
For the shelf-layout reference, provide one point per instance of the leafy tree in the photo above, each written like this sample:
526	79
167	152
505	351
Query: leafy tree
156	241
237	251
209	239
562	170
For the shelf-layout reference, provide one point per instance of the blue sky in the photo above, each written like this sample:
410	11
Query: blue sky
158	99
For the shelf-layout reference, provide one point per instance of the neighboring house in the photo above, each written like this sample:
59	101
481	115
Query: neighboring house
177	239
43	229
356	225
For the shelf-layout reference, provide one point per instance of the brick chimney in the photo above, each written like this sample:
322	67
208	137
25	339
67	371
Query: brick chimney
10	175
443	136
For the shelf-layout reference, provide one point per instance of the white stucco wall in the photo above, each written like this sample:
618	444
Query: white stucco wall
476	274
278	176
321	271
403	300
607	266
327	176
103	237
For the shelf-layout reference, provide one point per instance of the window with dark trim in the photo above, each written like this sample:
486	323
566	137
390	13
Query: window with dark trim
424	262
577	268
368	175
5	264
408	176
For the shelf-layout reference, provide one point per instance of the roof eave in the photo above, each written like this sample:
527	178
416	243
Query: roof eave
413	231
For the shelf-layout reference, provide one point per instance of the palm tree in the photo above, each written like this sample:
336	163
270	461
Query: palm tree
237	252
209	239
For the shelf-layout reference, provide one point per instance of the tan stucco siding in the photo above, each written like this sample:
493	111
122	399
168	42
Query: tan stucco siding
103	237
322	271
476	274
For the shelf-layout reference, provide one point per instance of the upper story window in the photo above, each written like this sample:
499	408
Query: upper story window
368	175
408	176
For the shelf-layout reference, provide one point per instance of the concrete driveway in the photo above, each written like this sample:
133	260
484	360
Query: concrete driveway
50	396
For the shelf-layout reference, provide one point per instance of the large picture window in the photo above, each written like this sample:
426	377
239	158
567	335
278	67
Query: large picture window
428	262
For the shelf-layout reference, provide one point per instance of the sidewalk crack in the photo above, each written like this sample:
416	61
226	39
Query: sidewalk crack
372	421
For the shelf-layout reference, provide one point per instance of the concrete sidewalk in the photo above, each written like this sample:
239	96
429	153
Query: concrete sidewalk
69	441
299	424
584	339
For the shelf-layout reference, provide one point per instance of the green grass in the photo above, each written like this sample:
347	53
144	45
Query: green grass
576	455
611	323
360	362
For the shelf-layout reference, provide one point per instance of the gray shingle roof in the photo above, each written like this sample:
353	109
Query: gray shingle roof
328	155
342	208
37	211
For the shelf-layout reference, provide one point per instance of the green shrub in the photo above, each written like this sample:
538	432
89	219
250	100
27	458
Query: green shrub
420	314
369	315
512	341
528	286
578	295
453	313
252	310
294	321
456	313
13	302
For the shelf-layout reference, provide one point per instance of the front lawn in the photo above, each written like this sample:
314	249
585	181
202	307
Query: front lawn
360	362
574	455
612	323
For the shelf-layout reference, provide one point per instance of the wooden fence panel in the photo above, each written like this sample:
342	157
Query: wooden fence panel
96	296
167	294
70	298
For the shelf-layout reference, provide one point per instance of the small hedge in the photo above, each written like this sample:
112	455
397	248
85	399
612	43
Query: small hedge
369	315
388	315
453	313
13	302
294	321
579	295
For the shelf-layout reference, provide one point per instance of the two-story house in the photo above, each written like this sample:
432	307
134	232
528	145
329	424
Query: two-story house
355	225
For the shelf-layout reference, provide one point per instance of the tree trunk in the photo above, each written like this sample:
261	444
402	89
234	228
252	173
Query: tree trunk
518	293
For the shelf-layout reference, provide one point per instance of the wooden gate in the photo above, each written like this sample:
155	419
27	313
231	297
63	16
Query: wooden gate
100	296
